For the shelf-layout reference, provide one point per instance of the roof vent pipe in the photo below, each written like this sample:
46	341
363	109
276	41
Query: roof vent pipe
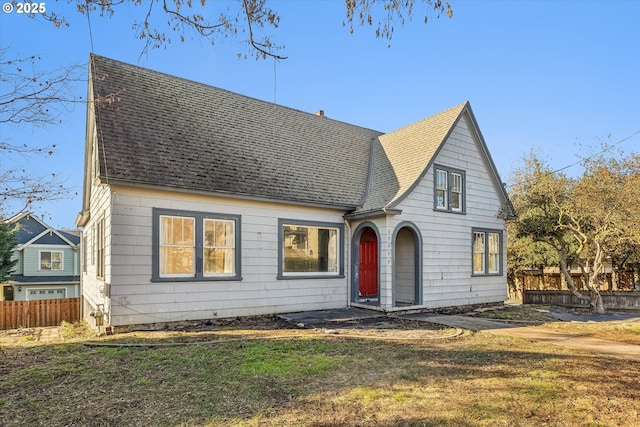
320	113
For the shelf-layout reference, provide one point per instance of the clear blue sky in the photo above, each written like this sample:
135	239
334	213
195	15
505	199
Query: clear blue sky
553	77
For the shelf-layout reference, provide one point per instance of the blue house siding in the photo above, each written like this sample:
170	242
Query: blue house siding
60	277
40	291
31	261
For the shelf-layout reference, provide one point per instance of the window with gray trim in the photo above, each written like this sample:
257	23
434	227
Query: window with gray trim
310	249
192	246
449	189
487	252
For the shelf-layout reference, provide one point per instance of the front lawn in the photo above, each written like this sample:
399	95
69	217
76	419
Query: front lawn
243	377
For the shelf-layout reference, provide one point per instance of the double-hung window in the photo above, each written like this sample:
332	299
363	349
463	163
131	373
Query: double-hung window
310	249
191	245
51	260
177	246
487	252
449	194
219	247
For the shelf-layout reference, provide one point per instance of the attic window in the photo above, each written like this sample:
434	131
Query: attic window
449	190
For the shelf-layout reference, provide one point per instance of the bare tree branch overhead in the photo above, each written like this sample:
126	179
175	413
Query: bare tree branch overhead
252	20
30	97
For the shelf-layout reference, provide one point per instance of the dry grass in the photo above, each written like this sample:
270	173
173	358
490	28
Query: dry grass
246	377
626	332
619	331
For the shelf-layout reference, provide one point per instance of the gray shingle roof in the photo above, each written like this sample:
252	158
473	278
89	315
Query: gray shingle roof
156	129
29	229
159	130
403	155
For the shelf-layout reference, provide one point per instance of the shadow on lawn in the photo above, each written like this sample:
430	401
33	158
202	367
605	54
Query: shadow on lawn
228	377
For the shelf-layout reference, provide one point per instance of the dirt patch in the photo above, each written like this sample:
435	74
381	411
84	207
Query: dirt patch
258	327
525	315
387	328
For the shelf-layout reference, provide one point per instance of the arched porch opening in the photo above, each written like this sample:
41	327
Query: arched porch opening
366	264
407	266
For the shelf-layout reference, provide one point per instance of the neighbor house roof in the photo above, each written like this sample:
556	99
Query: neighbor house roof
27	280
158	130
32	230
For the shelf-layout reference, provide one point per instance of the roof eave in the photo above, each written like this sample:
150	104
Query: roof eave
250	197
374	213
83	218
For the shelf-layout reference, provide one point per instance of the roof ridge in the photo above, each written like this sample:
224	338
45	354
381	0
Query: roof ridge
446	110
231	93
229	143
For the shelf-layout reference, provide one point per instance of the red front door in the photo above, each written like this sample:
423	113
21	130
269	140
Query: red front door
368	264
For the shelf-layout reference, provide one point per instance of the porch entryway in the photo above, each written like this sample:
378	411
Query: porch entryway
407	263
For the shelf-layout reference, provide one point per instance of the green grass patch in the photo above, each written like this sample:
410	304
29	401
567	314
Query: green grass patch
282	359
315	380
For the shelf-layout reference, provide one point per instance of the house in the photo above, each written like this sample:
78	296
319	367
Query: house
48	261
202	203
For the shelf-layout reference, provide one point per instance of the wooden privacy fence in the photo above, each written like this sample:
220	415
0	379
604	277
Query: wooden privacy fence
619	299
31	314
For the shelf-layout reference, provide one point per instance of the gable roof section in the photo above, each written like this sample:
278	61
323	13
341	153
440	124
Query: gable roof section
404	155
49	238
32	230
28	227
402	158
158	130
70	236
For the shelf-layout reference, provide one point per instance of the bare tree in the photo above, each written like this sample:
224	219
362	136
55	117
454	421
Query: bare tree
250	19
381	14
30	97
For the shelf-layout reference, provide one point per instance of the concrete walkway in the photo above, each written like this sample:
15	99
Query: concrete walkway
594	345
473	323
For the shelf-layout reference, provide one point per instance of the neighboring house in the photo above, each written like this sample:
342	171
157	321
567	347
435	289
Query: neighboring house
48	261
201	203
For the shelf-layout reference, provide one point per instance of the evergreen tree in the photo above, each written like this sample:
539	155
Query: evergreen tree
8	245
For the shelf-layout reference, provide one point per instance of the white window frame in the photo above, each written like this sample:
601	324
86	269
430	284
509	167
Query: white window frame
50	252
